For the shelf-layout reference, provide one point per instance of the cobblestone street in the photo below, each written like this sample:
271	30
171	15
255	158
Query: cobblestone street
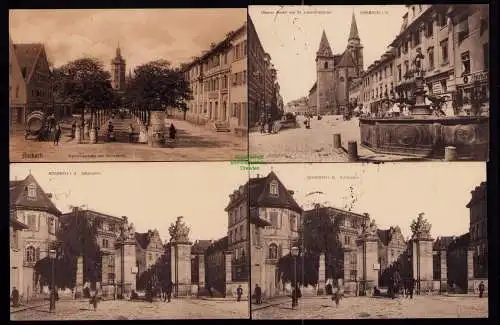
363	307
193	143
123	310
314	144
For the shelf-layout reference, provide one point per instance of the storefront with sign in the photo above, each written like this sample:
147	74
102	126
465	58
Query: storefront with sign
473	87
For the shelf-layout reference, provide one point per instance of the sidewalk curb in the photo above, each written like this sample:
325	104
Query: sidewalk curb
28	308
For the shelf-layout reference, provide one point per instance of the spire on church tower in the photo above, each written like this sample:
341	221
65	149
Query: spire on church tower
353	33
324	47
118	50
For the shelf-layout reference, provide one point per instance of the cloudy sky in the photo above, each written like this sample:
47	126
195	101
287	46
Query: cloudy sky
393	194
151	195
292	39
143	34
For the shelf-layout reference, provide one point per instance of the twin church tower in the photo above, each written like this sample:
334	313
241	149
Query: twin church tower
329	95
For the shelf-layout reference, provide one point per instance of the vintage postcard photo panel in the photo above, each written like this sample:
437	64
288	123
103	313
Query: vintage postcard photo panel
369	83
127	85
352	241
154	247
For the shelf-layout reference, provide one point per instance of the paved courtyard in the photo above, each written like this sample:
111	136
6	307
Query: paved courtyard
128	310
193	143
364	307
314	144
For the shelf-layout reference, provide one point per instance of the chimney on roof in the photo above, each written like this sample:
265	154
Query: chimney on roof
291	192
258	175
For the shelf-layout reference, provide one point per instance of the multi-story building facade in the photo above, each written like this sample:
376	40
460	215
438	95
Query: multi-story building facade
218	81
454	42
377	84
349	228
30	86
478	230
148	250
16	253
215	266
32	206
263	90
238	232
391	247
109	229
336	71
276	220
298	106
118	69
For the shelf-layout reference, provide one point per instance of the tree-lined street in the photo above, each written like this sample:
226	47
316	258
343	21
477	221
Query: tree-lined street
192	143
128	310
363	307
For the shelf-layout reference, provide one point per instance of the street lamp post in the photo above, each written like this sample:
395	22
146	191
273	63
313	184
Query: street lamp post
52	256
295	253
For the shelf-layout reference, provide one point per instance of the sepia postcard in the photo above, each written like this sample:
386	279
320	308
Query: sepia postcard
369	83
352	241
127	85
128	241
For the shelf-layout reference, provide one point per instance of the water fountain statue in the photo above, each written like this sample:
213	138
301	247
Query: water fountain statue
426	132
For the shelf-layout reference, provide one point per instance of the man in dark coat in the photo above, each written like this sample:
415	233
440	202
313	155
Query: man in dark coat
172	131
169	288
239	293
481	289
411	286
52	300
15	297
258	294
57	135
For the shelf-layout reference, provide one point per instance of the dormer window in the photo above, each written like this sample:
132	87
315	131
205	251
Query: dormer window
273	188
32	191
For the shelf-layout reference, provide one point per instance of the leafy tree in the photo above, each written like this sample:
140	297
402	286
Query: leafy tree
306	269
85	83
76	237
157	86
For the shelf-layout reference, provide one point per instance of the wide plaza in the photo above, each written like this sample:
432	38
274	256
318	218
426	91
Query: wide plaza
322	307
182	308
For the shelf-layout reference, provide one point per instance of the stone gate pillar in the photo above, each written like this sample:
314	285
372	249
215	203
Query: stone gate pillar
367	251
180	252
422	264
228	255
444	271
321	274
79	277
201	273
470	270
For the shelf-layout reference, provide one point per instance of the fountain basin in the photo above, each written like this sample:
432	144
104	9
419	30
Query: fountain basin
427	136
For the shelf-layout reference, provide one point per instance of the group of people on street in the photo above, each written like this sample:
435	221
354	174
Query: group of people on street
267	125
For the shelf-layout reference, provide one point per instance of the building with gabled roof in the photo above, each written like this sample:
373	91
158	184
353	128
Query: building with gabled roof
36	219
30	86
149	249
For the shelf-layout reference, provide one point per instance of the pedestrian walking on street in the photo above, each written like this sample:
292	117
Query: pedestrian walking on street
15	297
411	286
169	288
258	294
52	300
130	133
94	300
481	289
73	130
336	295
239	293
172	131
57	135
296	294
262	123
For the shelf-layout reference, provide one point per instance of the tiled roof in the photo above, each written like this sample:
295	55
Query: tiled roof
219	245
460	242
27	55
346	60
19	196
142	239
200	246
442	243
259	194
324	47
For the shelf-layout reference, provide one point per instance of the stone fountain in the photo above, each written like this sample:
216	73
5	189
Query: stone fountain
422	134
